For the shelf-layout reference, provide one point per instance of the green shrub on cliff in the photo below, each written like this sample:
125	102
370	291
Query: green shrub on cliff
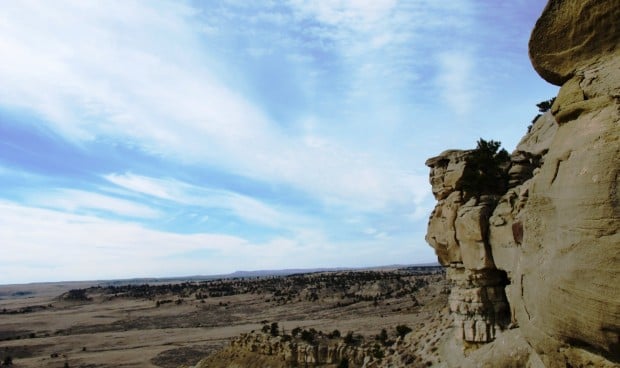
545	106
486	171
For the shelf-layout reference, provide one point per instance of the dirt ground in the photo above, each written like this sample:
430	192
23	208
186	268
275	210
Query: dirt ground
39	328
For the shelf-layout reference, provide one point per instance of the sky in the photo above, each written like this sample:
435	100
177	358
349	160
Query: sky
171	138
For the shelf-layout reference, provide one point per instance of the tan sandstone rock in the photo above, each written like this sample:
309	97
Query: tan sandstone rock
471	226
573	33
458	230
447	172
555	231
441	232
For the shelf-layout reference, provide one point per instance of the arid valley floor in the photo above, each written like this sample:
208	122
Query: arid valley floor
170	325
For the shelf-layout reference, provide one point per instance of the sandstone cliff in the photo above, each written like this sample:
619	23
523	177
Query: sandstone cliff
536	278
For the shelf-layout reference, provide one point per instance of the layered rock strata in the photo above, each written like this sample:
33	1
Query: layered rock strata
458	230
551	239
303	354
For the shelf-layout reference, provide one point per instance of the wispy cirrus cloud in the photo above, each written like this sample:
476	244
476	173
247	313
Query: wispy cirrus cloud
244	207
162	98
80	201
456	80
65	245
296	129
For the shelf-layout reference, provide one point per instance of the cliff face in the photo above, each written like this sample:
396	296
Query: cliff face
537	266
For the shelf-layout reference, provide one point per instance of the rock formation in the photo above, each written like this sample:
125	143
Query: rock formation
286	352
458	230
540	260
303	354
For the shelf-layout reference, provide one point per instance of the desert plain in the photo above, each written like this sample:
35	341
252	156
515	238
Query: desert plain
177	324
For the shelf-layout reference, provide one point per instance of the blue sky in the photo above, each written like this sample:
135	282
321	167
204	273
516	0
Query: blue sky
155	138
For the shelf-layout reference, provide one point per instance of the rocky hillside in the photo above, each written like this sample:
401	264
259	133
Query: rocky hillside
399	319
533	253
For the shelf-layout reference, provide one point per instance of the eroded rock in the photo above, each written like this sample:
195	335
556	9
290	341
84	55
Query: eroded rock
553	235
573	33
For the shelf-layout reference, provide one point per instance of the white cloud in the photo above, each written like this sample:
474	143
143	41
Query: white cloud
359	14
148	75
48	245
78	244
141	184
244	207
72	200
138	75
456	80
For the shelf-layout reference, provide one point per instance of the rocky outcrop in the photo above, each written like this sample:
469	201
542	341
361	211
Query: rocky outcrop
573	33
458	230
548	247
302	354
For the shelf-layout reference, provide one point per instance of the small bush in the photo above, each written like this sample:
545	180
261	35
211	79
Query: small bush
486	172
382	337
296	331
545	106
351	339
377	352
309	335
334	335
402	330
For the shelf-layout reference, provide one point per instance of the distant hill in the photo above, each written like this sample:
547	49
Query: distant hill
31	289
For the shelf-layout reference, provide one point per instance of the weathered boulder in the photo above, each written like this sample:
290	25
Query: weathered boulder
573	33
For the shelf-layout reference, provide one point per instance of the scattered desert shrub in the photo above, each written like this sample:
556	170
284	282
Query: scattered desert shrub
309	336
351	339
296	331
77	295
382	336
377	352
334	334
348	339
402	330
